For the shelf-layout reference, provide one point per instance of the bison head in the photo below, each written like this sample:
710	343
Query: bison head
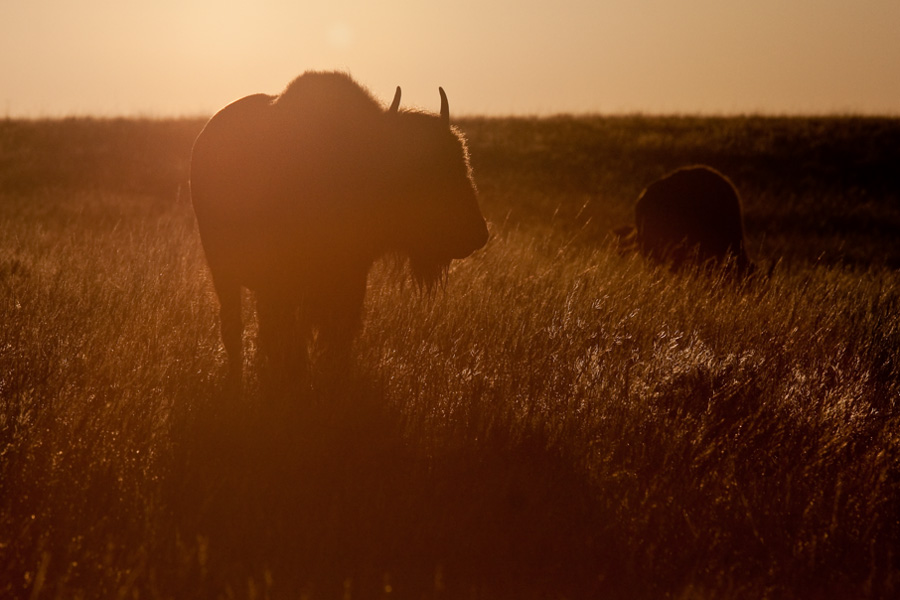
437	214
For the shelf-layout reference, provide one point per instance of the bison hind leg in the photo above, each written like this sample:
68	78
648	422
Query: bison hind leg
229	294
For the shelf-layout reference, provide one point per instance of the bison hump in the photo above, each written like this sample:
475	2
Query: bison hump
324	94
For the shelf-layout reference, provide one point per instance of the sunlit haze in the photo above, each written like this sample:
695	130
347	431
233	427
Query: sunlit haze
174	57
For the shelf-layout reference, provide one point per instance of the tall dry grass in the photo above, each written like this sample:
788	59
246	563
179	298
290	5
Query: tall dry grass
560	421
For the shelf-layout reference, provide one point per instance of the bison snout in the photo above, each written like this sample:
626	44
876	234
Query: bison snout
475	239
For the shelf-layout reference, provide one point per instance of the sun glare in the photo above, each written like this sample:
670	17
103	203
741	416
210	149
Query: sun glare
102	57
339	35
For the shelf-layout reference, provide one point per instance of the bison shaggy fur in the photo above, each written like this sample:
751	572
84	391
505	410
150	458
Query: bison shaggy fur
691	216
296	195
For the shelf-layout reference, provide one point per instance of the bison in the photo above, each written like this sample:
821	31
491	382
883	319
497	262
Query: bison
297	195
690	216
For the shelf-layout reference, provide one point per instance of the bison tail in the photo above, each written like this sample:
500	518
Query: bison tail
625	239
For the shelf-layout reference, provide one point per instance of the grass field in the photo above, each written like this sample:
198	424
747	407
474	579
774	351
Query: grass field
559	422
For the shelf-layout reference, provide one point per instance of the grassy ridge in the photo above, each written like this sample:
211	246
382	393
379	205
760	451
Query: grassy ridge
813	189
561	420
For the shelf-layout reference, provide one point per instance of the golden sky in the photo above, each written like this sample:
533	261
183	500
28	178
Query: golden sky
190	57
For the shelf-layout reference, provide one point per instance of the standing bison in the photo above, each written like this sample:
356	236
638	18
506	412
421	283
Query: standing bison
297	195
692	215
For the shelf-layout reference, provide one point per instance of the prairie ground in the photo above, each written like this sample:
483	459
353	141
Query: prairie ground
559	421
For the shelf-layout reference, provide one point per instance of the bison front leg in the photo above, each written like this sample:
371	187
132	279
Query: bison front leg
282	342
338	323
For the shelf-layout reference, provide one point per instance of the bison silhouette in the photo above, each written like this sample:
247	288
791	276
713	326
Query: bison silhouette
690	216
297	195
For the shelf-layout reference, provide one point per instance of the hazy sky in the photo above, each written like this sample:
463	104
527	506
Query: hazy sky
174	57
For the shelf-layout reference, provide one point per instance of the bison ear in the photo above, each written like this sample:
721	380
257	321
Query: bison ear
445	108
395	103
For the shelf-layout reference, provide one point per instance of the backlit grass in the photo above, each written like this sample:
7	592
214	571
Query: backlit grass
559	421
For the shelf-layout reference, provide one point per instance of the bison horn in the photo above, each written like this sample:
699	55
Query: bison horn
395	103
445	108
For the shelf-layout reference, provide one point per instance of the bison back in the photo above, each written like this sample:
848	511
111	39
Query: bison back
695	209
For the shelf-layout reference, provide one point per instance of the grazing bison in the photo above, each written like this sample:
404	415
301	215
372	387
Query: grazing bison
297	195
692	214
